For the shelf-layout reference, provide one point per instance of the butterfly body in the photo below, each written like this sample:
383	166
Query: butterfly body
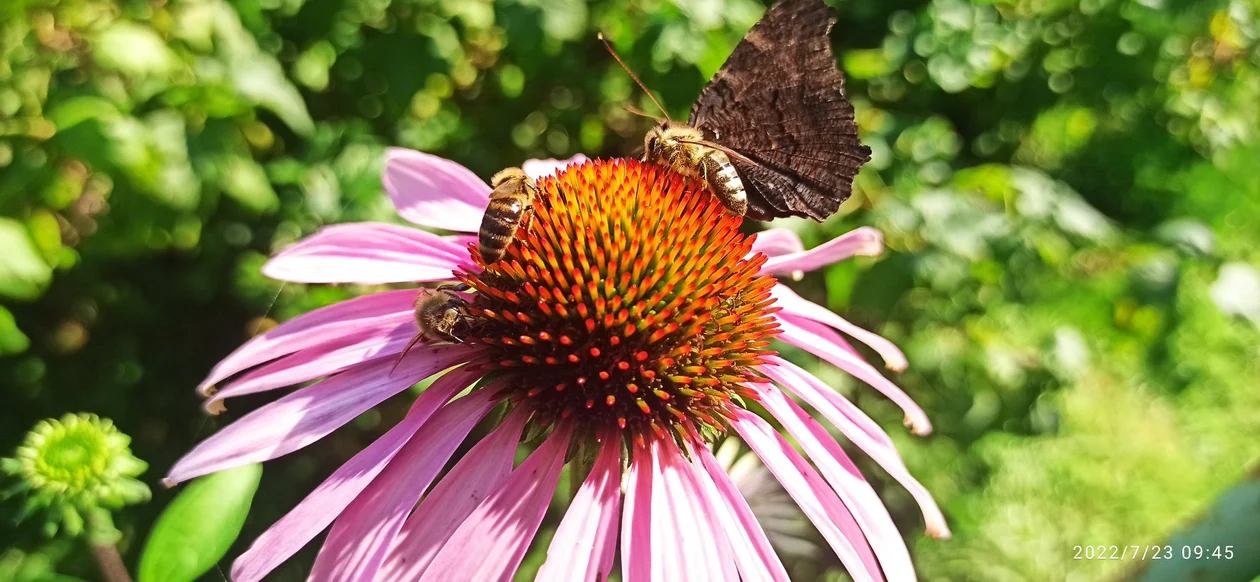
680	148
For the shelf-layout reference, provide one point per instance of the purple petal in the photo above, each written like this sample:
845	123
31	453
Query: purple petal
434	192
845	480
542	168
473	478
490	544
368	253
379	314
285	537
309	414
800	307
859	428
821	341
636	519
363	533
864	241
817	501
316	362
586	541
754	556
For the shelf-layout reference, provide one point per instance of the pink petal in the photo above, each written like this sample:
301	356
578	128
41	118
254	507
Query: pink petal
821	341
586	541
860	429
754	556
379	313
307	415
815	498
474	477
702	550
490	544
326	502
368	253
316	362
363	533
845	480
542	168
636	519
774	242
434	192
864	241
795	305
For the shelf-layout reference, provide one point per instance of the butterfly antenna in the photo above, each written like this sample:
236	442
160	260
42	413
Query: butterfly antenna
641	113
410	344
633	76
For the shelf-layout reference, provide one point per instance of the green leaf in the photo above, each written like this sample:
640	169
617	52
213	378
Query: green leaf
76	110
23	273
197	528
12	340
133	49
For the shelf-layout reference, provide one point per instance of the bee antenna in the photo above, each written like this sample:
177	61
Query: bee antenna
641	113
633	76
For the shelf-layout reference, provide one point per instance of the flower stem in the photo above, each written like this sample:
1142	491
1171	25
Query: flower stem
110	563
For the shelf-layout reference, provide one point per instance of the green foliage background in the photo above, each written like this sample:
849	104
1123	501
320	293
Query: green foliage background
1070	190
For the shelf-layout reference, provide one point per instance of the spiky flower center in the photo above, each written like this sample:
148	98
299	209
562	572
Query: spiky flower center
630	302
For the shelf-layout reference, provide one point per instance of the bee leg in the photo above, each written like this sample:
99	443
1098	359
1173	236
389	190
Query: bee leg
458	287
410	344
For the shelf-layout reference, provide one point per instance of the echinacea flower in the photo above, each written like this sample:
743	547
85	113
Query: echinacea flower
627	328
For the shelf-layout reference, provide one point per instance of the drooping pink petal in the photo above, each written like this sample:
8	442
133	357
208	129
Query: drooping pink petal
859	428
586	540
368	253
316	362
816	500
541	168
474	477
636	519
356	546
379	313
754	556
845	479
705	551
668	561
795	305
307	415
864	241
298	527
821	341
434	192
490	544
774	242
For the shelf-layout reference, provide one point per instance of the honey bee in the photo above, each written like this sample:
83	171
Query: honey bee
511	205
681	148
438	314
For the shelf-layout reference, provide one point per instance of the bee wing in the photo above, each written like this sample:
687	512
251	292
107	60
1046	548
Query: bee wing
779	101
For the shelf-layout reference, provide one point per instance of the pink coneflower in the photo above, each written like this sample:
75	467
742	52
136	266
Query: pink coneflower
627	328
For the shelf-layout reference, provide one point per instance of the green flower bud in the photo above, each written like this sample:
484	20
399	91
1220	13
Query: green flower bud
71	473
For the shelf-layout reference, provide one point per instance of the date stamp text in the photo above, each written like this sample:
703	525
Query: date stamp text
1166	552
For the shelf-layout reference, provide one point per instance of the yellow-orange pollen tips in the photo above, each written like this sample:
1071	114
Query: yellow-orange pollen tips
629	303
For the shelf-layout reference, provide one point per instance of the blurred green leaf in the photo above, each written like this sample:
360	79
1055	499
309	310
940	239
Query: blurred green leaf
12	340
133	49
197	528
23	273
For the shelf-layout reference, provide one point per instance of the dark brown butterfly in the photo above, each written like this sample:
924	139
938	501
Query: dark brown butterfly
772	134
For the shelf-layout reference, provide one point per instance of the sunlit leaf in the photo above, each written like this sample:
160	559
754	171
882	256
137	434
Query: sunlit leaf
200	524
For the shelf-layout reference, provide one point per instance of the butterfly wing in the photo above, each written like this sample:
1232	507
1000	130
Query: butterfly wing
779	102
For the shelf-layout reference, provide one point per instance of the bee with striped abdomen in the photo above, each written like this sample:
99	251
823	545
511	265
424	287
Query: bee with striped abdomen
680	148
511	204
